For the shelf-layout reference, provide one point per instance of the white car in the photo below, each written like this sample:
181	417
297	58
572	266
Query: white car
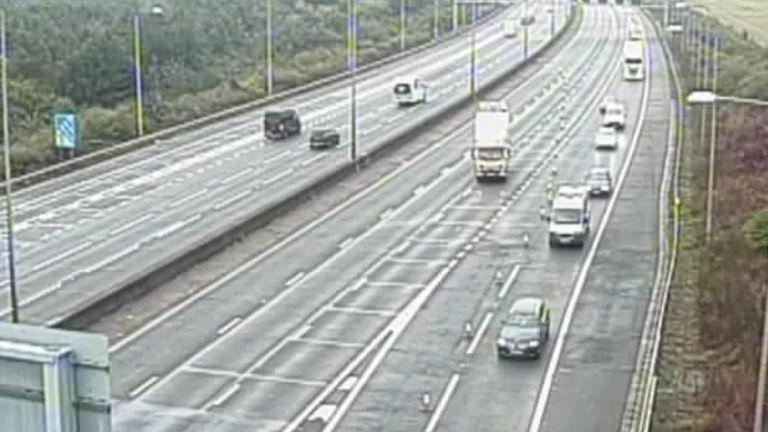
607	138
615	116
608	100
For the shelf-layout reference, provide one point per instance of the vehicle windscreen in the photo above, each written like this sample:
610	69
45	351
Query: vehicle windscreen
489	153
567	216
634	61
520	329
402	89
274	120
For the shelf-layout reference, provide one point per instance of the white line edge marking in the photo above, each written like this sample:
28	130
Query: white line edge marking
223	398
296	278
480	333
144	386
546	386
229	326
508	283
443	404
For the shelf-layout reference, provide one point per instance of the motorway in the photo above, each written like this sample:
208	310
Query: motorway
345	326
87	233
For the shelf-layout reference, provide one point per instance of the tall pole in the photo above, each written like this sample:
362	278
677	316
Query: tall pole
712	142
138	79
552	21
473	56
13	298
436	23
402	25
352	11
525	30
270	78
455	13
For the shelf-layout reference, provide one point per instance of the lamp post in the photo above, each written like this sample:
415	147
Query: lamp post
473	55
352	43
270	74
436	23
402	25
137	59
13	297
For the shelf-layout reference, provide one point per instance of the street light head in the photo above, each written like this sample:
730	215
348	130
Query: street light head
157	10
701	97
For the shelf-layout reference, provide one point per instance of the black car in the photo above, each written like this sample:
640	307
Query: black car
527	20
525	330
324	138
599	182
281	124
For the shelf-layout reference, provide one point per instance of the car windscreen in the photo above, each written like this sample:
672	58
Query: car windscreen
567	216
402	88
520	330
489	153
273	119
634	61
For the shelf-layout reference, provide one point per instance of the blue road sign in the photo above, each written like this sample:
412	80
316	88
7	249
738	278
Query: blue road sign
66	131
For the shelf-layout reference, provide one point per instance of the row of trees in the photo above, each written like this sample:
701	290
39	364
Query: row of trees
199	56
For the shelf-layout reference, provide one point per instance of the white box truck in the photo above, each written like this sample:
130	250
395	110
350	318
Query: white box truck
490	147
634	61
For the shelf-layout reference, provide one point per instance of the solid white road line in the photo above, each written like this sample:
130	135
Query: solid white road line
229	326
443	404
141	388
480	333
508	283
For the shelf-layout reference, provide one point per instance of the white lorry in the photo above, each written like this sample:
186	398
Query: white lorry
634	61
409	90
569	216
509	28
490	148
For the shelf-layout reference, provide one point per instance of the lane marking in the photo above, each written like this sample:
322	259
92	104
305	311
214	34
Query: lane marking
347	242
296	278
223	397
233	200
61	256
277	157
330	343
361	311
416	261
443	404
480	333
508	283
313	159
277	178
143	387
229	326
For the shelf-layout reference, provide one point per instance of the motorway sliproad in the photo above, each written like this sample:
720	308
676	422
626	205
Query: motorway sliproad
143	207
374	284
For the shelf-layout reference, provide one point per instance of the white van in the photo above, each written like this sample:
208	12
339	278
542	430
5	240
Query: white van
615	116
569	217
410	91
509	29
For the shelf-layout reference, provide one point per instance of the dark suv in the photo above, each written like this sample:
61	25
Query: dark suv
281	124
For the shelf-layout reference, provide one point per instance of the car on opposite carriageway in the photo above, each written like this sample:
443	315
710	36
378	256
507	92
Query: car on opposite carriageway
324	138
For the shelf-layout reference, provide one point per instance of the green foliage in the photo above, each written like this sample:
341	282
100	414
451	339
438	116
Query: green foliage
756	230
198	57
